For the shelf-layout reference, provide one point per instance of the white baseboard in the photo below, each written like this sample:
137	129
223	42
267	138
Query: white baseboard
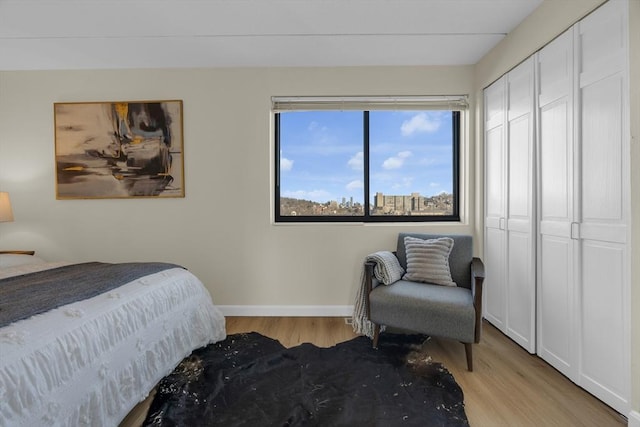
287	310
634	419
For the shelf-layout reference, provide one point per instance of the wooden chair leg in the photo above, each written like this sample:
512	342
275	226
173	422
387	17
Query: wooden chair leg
376	335
469	352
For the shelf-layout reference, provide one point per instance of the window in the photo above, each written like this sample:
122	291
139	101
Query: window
367	160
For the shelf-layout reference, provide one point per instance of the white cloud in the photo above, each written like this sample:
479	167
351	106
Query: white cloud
397	161
434	184
421	122
355	185
285	164
313	125
357	161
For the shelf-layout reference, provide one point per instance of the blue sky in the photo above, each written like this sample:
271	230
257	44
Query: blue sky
321	155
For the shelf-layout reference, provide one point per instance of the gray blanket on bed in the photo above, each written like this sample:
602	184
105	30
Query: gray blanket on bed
26	295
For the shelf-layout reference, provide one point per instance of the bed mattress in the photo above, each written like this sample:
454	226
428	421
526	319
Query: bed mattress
91	361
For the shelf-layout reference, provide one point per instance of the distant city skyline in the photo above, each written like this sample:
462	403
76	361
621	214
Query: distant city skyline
321	157
383	204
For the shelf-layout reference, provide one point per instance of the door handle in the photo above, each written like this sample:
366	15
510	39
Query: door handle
575	231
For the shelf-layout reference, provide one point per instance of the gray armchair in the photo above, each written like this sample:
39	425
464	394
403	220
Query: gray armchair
453	312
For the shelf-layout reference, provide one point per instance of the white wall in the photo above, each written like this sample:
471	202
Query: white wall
222	229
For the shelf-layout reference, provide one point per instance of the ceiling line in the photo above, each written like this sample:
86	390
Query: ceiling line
190	36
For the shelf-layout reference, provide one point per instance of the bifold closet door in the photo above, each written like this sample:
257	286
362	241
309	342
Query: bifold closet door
557	250
495	205
604	192
520	237
509	191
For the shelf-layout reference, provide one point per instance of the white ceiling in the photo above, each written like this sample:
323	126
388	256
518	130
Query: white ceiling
106	34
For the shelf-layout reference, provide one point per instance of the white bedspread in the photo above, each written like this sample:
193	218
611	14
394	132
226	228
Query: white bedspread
89	363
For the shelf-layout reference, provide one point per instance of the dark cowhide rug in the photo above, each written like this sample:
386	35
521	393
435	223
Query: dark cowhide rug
251	380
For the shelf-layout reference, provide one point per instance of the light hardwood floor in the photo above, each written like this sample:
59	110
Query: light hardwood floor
508	387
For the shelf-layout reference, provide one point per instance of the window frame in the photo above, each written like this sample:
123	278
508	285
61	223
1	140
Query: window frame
367	217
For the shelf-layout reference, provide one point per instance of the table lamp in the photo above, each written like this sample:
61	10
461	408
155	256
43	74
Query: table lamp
6	214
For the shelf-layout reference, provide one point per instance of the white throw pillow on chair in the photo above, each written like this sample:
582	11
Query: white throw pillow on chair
428	260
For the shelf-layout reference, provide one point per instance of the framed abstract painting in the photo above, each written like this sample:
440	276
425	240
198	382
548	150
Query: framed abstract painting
119	149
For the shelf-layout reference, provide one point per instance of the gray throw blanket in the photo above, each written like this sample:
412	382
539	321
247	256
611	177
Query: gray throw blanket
387	270
34	293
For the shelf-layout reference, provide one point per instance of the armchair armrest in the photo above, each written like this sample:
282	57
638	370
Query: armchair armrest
368	275
477	280
368	282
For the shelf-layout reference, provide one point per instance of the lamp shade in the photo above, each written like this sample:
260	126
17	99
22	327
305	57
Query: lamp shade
6	214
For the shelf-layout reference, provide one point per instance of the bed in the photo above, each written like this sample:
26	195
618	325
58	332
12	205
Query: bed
89	362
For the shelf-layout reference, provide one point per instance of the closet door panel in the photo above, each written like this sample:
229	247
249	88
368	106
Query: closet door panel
494	104
521	323
555	312
604	215
495	205
494	97
603	42
602	162
495	303
494	147
520	177
555	172
520	218
604	365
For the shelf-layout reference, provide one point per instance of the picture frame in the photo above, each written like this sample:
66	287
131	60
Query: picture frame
119	149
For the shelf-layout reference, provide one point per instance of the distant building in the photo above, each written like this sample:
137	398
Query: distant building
399	204
412	204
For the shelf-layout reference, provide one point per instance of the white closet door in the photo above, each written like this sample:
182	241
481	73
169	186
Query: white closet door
520	239
557	251
495	193
604	192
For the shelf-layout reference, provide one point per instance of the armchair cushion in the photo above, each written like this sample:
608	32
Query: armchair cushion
428	260
429	309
